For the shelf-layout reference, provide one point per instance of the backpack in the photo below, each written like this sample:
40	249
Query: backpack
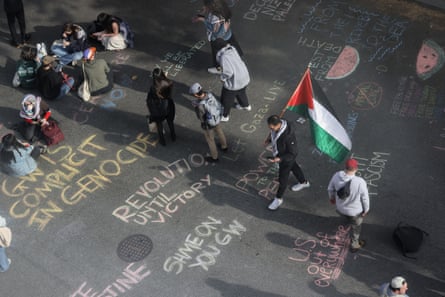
408	238
127	33
213	109
344	191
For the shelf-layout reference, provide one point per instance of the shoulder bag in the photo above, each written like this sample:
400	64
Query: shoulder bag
84	89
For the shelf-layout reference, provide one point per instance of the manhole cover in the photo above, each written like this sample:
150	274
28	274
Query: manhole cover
134	248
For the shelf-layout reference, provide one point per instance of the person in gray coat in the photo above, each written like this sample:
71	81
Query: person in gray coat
354	205
235	78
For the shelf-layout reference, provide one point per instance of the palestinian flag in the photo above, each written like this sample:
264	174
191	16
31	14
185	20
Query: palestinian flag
329	135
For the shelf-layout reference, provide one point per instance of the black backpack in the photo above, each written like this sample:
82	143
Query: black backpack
408	238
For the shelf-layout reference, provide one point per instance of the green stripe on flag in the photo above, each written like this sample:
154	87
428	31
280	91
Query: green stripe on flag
328	144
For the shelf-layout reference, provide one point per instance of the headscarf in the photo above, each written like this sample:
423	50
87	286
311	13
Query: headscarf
33	113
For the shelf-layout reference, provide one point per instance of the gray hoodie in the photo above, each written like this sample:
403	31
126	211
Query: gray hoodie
357	202
234	71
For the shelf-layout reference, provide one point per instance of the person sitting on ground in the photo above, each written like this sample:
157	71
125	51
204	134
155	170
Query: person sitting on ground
27	66
397	287
51	83
97	73
69	49
160	104
216	17
36	114
18	158
116	33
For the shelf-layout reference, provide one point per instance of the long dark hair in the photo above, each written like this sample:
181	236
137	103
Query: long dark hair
219	8
106	20
10	143
162	85
28	53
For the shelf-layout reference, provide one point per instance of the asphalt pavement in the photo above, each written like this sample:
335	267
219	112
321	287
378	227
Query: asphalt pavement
111	212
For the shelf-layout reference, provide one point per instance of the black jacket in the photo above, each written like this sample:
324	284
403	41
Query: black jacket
49	82
287	144
159	109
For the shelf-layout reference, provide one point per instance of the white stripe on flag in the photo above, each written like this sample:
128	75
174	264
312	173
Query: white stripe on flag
330	124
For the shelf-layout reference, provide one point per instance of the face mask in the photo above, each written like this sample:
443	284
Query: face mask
29	109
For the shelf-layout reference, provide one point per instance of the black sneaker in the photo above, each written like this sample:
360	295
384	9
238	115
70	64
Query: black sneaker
361	243
211	160
15	44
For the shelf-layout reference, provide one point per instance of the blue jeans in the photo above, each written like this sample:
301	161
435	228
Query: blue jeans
64	56
4	263
66	87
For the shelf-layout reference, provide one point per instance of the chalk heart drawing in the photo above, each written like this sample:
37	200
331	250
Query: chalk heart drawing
345	64
365	96
430	59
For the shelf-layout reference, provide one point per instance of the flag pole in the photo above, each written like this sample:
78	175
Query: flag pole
301	80
267	140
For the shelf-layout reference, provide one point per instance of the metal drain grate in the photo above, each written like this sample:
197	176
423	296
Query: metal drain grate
134	248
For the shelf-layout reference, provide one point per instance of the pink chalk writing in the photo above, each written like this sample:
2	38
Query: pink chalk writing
325	255
263	179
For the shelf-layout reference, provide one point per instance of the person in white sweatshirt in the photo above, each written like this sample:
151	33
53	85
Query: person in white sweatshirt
350	195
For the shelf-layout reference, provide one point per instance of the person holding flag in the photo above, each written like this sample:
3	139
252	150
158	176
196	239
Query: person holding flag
283	139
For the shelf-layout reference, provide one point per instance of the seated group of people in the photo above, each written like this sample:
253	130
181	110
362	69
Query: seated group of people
37	69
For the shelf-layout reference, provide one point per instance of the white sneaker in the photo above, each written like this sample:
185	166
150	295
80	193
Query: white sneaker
275	203
224	119
214	70
298	187
248	107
